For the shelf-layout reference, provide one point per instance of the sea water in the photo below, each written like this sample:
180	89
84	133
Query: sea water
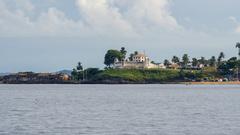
119	110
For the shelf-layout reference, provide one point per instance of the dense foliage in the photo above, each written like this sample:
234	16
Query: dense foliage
229	67
112	55
194	69
155	75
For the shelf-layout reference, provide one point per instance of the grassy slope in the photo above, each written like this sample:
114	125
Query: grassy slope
154	75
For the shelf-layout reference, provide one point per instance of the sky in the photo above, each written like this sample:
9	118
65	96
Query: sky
51	35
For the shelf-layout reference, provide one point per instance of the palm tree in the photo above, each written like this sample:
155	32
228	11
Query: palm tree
212	61
123	52
136	52
80	68
194	62
175	59
185	60
238	46
222	55
203	61
220	58
166	63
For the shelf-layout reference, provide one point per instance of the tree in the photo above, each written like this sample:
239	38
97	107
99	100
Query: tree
74	74
131	57
175	59
232	63
221	57
203	61
166	63
194	62
123	52
111	56
185	60
212	61
78	72
229	67
91	72
153	62
238	46
79	66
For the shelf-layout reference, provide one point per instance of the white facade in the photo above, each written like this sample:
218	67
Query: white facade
140	58
139	61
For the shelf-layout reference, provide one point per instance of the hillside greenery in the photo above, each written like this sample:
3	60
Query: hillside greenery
154	75
188	69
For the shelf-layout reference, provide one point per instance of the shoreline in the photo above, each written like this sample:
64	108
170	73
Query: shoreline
213	83
132	83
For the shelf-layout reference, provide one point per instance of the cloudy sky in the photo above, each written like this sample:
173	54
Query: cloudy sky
50	35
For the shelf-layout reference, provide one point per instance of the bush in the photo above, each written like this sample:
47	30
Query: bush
153	75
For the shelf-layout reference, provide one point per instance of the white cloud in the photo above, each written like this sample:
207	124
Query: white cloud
55	22
137	15
236	22
233	19
237	29
13	21
98	17
149	13
26	5
101	17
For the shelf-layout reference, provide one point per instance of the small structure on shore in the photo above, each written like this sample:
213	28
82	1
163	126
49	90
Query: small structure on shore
138	61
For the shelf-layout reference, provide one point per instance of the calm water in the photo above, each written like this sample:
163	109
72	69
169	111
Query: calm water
119	110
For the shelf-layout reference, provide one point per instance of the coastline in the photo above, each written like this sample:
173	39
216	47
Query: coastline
133	83
124	76
213	83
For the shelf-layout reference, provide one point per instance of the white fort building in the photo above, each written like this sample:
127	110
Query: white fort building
138	61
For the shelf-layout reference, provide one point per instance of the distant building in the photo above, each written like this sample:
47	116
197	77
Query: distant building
174	66
139	61
197	67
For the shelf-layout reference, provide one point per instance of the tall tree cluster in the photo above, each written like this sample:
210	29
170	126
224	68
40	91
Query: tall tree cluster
113	55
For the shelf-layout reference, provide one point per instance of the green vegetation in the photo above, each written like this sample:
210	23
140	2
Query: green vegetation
77	73
229	67
166	63
213	61
175	59
220	58
185	60
194	62
112	55
136	75
154	75
238	46
131	55
187	70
